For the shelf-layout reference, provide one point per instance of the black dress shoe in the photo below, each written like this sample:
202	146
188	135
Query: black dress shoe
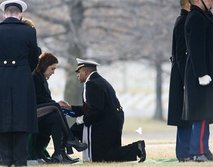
76	144
200	158
57	158
44	157
20	163
142	151
209	155
68	160
185	159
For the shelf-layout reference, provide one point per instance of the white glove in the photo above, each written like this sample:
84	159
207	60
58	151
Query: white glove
204	80
79	120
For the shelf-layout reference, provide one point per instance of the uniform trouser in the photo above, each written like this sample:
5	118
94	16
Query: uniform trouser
13	148
110	152
199	138
183	142
121	154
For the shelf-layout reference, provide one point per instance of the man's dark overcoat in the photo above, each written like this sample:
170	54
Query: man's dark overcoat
178	59
18	57
103	113
199	40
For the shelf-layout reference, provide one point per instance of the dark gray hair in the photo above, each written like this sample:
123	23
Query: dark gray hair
13	9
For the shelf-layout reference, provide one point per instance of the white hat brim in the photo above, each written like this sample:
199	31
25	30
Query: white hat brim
22	3
79	61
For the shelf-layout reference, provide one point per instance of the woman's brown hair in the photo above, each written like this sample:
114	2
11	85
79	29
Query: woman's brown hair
45	60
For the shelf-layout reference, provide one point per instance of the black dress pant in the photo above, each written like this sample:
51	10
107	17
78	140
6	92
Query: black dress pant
50	125
13	148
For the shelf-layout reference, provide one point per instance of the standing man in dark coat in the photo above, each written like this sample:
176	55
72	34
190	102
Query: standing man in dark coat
198	76
103	118
18	56
176	92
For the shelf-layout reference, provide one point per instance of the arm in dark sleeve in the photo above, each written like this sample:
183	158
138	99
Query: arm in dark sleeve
180	47
34	50
96	101
40	91
78	110
197	45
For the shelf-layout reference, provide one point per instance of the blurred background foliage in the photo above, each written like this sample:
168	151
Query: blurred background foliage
108	31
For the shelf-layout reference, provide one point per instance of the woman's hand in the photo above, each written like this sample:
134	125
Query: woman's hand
64	104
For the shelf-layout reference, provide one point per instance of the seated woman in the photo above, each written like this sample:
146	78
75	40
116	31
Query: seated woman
51	120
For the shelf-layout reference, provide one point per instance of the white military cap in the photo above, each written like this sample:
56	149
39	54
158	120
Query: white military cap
85	63
18	3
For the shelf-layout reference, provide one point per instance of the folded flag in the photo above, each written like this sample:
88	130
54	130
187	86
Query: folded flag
68	112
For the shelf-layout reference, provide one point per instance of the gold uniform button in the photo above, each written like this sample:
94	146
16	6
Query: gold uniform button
117	109
5	62
13	62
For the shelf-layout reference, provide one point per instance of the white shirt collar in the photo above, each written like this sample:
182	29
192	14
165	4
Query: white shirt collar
89	76
84	91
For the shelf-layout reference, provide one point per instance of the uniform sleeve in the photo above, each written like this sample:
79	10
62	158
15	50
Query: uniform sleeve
34	50
78	110
95	99
197	44
180	46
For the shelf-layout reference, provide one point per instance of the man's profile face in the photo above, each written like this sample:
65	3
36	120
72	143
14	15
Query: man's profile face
82	75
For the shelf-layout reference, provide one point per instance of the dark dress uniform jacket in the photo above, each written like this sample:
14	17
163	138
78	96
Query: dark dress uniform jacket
18	56
199	40
179	55
102	111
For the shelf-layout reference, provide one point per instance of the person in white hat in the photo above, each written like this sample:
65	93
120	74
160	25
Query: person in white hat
18	3
19	56
102	118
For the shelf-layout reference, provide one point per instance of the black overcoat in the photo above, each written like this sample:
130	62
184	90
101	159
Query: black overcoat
102	111
18	56
178	59
199	40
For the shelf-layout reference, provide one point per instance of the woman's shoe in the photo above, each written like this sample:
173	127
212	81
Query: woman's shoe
76	144
44	157
68	160
57	158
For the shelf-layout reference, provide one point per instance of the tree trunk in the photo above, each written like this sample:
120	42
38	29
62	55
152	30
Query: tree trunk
158	110
73	88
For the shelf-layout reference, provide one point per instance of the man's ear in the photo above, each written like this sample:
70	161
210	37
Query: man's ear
20	16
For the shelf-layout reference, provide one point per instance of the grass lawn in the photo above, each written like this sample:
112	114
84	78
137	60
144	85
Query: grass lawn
160	146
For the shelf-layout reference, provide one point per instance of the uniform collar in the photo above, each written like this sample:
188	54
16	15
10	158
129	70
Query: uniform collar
12	20
90	75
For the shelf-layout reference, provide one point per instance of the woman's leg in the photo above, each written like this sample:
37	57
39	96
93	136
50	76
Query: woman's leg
68	138
49	125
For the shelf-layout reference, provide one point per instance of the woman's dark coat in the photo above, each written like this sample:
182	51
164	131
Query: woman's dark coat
199	40
103	113
43	94
178	59
18	56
